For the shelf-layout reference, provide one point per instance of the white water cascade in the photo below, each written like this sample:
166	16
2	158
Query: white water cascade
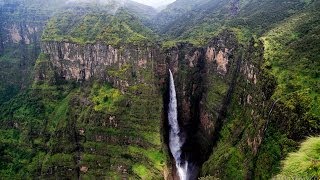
175	139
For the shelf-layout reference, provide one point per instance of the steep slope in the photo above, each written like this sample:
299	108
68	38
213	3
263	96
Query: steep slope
173	12
146	13
303	163
207	19
108	126
22	23
84	25
111	6
292	55
21	26
291	114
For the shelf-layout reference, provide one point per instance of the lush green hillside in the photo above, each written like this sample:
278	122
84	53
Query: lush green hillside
173	12
303	164
21	24
79	22
88	25
200	23
291	46
63	129
292	56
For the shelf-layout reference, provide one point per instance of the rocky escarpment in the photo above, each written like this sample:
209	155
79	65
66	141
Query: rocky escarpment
122	111
126	67
223	107
99	111
219	86
118	66
245	143
224	101
27	33
204	79
21	26
207	81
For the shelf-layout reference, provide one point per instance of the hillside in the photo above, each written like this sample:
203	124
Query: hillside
89	26
21	25
199	23
174	12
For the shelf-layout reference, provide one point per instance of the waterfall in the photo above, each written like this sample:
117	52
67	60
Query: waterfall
175	139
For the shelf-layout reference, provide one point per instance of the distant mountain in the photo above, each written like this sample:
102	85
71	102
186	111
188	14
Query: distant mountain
199	20
143	11
157	4
91	25
173	12
146	12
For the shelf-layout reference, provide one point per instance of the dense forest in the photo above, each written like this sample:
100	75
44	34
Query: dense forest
86	91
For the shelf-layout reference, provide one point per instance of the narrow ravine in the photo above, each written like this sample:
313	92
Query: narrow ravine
175	136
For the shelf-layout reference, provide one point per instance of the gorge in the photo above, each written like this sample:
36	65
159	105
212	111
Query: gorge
205	89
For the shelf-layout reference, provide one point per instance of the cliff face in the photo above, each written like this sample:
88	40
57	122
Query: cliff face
196	72
203	78
253	137
26	33
22	24
100	62
20	32
208	81
244	121
225	107
119	129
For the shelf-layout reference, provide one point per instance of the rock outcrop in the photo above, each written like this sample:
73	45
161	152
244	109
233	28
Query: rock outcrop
118	66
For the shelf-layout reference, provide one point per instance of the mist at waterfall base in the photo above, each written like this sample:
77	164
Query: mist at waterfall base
185	169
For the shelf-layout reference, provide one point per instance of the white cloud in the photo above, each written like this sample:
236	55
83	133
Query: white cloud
155	3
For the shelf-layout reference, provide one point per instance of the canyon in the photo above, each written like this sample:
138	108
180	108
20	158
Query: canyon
96	103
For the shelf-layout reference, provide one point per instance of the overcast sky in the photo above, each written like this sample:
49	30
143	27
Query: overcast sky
155	3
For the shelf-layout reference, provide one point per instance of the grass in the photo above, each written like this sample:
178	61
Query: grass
141	171
292	57
303	164
155	156
59	114
106	98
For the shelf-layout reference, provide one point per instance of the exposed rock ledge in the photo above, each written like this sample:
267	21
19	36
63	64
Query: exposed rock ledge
98	61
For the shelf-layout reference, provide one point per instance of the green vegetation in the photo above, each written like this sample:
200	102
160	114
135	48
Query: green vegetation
208	18
16	65
143	155
106	98
292	55
217	89
93	26
229	160
46	109
303	164
141	171
17	59
275	146
28	112
238	153
53	128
